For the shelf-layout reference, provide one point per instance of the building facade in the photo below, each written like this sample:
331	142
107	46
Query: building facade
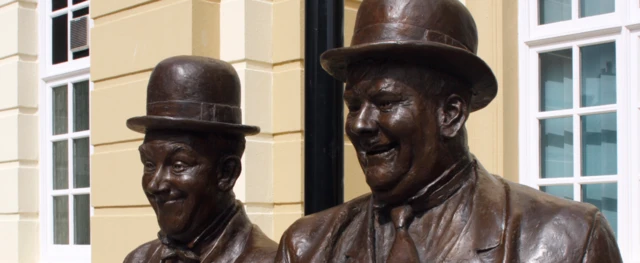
565	119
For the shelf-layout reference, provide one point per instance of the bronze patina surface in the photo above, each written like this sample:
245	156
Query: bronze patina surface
412	79
193	143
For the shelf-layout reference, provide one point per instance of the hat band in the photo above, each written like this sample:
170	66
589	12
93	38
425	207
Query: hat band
196	111
394	32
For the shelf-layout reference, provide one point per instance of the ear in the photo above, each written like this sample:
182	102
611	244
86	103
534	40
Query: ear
229	169
452	115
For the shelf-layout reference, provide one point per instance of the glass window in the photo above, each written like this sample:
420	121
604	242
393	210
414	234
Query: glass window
59	39
605	198
599	144
81	214
556	147
598	74
563	191
61	220
70	162
596	7
552	11
556	80
81	106
59	112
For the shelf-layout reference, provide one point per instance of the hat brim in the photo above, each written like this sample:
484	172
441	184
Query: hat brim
455	61
144	123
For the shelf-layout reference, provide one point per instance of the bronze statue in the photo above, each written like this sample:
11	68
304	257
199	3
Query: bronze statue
412	78
191	154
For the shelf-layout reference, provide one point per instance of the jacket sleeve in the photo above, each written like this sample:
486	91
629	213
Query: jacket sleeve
601	245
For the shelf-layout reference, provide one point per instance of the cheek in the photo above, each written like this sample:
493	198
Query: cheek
399	123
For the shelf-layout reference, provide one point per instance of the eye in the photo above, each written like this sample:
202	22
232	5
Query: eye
179	167
353	107
149	166
385	105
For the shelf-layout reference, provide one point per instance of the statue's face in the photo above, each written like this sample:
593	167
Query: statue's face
179	181
394	130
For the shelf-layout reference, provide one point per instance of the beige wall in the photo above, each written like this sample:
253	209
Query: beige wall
19	131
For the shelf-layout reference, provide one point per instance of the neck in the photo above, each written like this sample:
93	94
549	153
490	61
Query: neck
211	231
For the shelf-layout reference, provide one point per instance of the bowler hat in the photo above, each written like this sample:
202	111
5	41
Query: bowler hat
194	94
440	34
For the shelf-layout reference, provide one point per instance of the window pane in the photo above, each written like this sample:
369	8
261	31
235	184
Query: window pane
81	220
562	191
598	74
599	144
59	44
81	106
605	198
78	1
556	80
60	165
80	12
554	11
81	54
556	148
59	117
58	4
596	7
61	220
81	163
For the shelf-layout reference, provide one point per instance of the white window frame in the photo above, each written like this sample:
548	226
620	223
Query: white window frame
52	76
622	27
71	252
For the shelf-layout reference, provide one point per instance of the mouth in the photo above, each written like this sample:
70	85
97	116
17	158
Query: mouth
168	201
381	150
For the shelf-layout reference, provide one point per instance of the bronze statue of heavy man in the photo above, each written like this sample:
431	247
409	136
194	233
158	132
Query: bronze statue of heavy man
412	79
191	155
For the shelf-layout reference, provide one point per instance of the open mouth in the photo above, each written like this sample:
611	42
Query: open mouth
382	149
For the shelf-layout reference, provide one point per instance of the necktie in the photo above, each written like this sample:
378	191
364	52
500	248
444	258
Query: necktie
183	255
403	248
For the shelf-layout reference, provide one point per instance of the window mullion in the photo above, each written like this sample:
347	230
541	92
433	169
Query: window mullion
577	131
575	9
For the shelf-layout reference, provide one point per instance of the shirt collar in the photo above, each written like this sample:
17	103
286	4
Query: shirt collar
438	191
212	231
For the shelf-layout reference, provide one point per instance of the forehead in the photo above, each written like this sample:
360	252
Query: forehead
162	137
393	77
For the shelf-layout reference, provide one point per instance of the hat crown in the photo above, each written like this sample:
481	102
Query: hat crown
194	79
415	20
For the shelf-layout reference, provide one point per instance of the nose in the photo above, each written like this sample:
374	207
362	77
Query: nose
364	124
158	185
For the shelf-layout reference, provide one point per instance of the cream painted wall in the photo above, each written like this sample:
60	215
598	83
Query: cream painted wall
263	40
19	171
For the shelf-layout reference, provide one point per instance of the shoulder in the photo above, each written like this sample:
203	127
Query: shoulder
143	252
259	248
530	204
322	227
558	226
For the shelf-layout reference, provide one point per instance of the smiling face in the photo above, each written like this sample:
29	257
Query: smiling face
180	181
395	129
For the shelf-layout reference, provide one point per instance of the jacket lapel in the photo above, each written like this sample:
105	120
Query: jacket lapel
481	238
362	247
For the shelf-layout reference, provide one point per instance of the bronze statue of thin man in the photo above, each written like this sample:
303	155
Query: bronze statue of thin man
193	143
